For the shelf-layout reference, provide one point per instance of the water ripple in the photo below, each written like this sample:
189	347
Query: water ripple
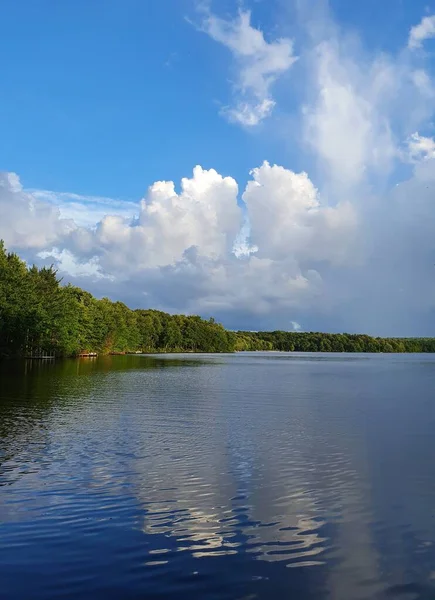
218	477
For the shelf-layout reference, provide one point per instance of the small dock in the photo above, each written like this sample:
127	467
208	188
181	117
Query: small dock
87	355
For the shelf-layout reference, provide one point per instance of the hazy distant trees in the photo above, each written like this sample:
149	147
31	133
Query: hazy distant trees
289	341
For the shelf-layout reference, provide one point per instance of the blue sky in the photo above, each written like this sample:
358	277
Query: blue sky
104	98
100	100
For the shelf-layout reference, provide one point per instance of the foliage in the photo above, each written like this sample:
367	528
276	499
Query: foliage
40	316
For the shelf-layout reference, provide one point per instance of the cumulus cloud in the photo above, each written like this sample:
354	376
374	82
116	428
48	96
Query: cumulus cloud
192	250
421	32
204	215
288	219
258	64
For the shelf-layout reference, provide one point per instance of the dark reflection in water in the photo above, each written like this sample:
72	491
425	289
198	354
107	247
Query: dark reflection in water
194	476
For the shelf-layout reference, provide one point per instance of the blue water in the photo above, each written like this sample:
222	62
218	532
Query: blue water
262	475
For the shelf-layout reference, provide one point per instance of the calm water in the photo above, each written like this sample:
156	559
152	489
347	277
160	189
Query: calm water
244	476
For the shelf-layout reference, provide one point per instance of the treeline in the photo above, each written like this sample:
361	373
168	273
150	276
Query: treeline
40	316
287	341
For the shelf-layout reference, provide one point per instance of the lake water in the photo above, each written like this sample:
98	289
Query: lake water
260	475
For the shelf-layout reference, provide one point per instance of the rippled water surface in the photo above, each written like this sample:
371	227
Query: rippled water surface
198	476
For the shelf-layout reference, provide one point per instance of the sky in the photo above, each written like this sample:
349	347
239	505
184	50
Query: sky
270	163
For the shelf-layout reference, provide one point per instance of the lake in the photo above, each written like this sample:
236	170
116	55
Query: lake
253	475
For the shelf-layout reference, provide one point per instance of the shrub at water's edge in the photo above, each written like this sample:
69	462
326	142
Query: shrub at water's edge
39	316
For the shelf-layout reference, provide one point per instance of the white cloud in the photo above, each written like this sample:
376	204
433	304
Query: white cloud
347	120
66	262
421	32
360	107
182	248
295	326
420	147
287	218
196	242
249	114
258	64
204	214
26	222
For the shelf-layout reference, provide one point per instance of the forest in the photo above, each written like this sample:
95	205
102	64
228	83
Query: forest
39	316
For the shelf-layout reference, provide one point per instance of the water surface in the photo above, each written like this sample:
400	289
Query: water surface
263	475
